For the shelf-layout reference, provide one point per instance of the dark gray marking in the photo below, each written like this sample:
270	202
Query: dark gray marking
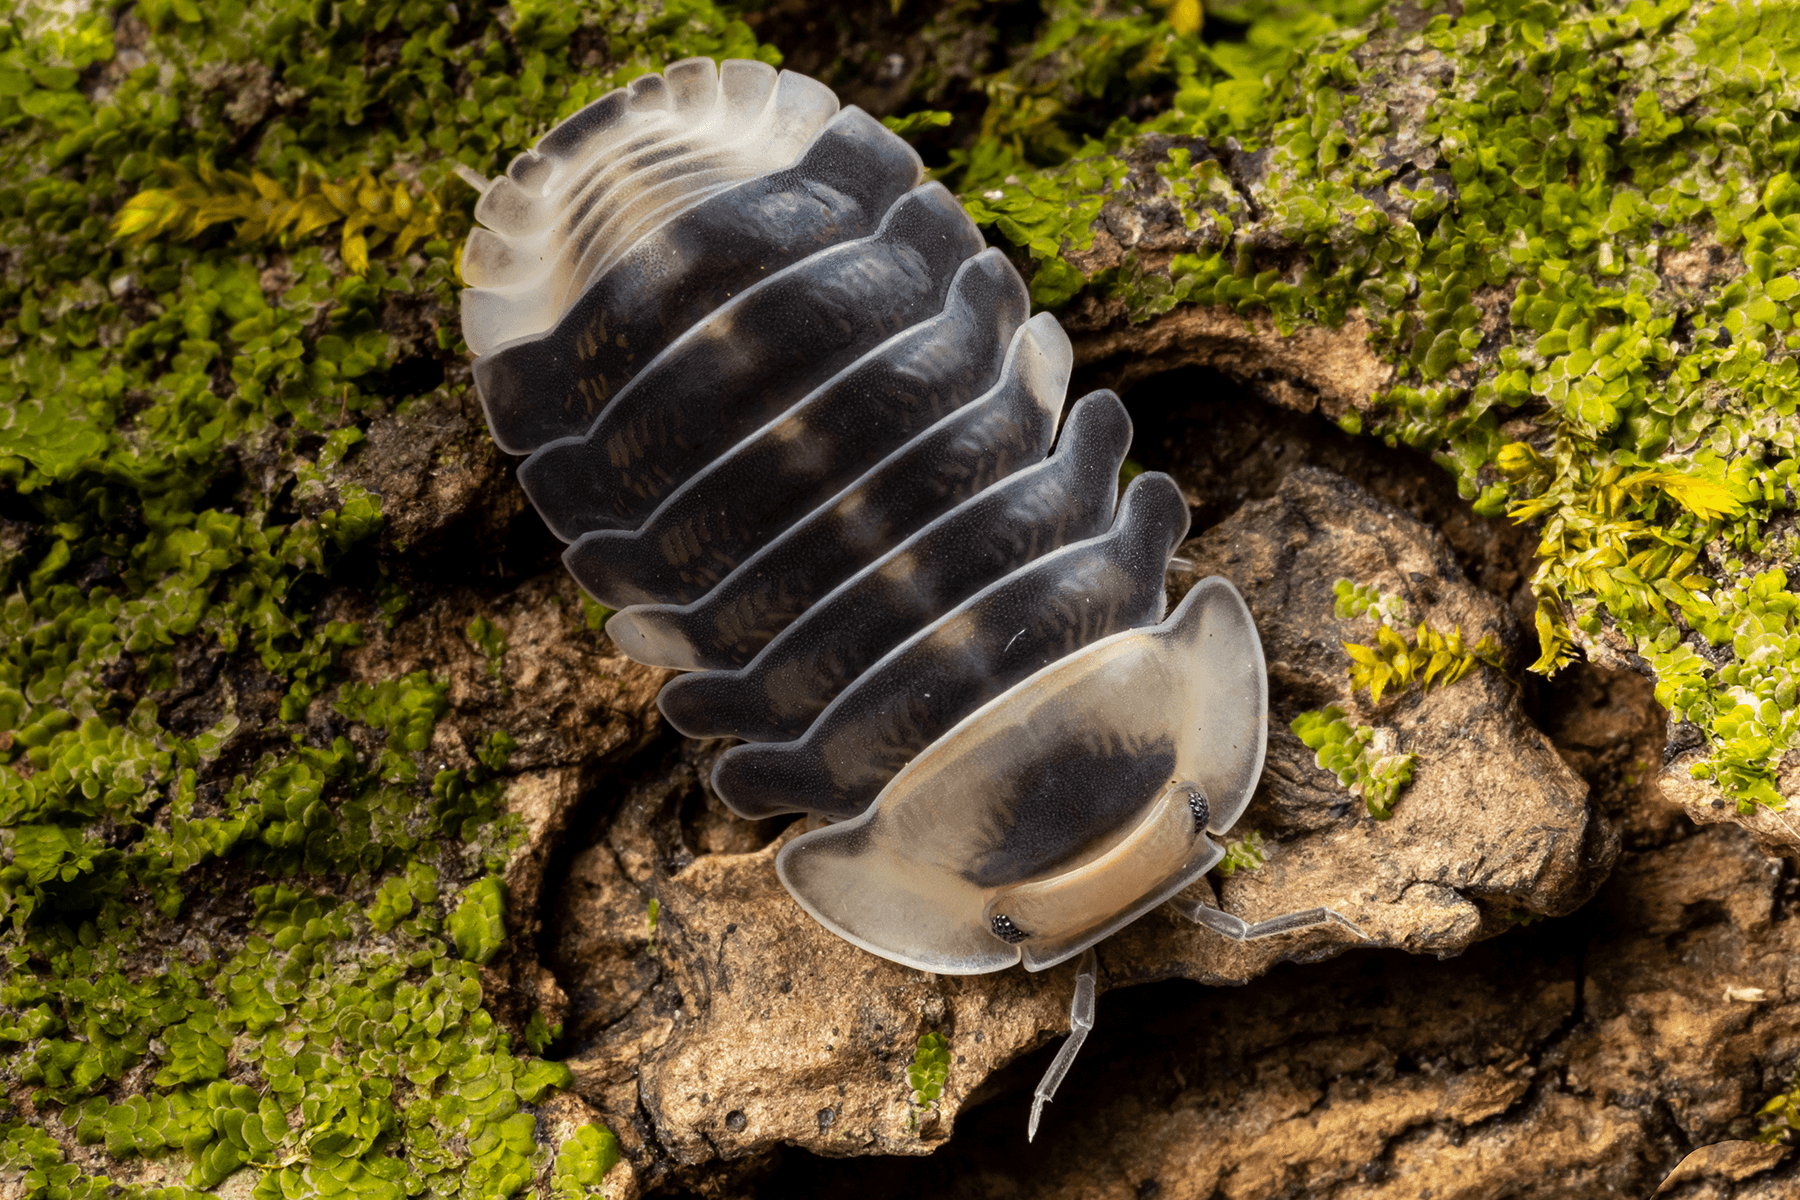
1065	600
748	362
553	385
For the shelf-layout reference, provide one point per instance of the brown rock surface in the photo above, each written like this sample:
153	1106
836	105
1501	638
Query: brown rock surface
747	1026
1577	1058
1575	1055
571	698
1705	805
1318	369
1739	1170
1492	811
442	482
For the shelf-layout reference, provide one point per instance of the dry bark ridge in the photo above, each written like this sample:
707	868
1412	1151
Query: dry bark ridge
1574	1059
1140	229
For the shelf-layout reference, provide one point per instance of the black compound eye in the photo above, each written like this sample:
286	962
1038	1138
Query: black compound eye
1006	931
1197	806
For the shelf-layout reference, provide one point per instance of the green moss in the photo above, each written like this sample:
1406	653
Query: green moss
594	613
1780	1117
366	210
479	923
407	708
1364	759
1048	154
1430	657
488	638
466	804
363	1053
917	122
1571	157
583	1162
927	1073
1242	854
1366	600
1357	756
398	894
177	406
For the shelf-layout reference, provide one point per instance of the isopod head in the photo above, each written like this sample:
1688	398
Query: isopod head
1061	810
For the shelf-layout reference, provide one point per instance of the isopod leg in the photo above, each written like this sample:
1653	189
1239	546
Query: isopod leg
1239	930
1081	1019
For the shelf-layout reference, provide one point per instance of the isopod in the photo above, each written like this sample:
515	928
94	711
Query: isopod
795	422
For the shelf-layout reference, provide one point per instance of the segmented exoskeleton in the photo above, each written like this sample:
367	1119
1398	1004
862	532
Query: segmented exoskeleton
795	422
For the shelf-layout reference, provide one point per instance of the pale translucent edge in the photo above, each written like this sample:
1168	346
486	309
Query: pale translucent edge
1004	957
574	181
498	314
704	330
792	117
754	142
541	175
567	169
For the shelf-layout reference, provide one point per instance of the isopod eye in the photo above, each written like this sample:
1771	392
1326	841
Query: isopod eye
1082	894
1197	806
1006	931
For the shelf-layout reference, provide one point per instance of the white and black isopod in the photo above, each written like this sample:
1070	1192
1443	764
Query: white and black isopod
793	419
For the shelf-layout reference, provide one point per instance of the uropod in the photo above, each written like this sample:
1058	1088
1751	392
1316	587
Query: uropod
797	425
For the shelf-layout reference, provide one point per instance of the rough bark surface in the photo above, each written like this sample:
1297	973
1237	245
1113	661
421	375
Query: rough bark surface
747	1052
738	1026
1319	369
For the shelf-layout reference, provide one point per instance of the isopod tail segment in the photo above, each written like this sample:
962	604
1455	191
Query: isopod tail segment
1065	805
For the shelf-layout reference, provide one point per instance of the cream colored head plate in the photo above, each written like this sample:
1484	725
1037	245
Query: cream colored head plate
1059	811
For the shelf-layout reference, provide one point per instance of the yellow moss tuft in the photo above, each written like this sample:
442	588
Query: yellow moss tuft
371	210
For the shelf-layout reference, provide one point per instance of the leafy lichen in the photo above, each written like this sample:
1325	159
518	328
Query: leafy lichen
1366	600
1431	657
583	1162
1780	1117
927	1072
1242	854
1365	759
490	639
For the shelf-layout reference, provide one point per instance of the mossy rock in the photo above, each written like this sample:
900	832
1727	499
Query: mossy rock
252	871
